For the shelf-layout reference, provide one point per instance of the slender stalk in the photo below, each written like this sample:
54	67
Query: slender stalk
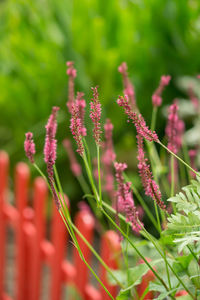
167	270
42	174
172	175
124	252
157	216
135	248
99	174
90	177
70	229
172	181
183	162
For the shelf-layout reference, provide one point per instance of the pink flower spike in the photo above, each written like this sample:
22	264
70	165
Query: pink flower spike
128	87
50	142
81	104
95	115
125	201
50	151
76	128
71	72
74	165
29	146
150	186
137	120
157	95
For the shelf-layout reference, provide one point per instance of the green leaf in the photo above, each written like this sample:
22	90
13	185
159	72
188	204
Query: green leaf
124	295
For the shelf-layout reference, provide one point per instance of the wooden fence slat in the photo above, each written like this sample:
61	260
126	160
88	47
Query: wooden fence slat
85	222
33	249
39	201
21	195
4	165
110	249
59	241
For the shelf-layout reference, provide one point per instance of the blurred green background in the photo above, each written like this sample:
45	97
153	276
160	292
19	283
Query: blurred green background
154	37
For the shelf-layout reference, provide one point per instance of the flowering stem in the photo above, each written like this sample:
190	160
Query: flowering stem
65	211
99	174
135	248
140	199
172	181
153	119
90	177
157	216
183	162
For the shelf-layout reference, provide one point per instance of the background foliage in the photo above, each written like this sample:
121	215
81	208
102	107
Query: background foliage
37	37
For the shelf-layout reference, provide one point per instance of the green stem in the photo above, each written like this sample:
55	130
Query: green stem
124	252
90	177
71	231
172	181
157	216
99	174
183	162
172	176
167	270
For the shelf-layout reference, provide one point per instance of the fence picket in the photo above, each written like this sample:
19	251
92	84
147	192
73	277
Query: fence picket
4	165
33	249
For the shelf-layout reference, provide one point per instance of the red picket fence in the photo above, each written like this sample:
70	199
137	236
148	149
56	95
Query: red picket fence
33	250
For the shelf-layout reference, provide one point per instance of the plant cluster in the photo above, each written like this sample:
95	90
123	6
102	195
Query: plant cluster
173	257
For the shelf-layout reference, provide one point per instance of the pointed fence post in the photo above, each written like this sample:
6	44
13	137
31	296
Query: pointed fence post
59	241
4	166
21	197
85	223
39	201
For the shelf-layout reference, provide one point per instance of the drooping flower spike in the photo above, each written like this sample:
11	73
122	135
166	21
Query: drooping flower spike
74	165
76	128
50	151
29	146
95	115
125	201
128	87
71	72
137	120
157	95
150	186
